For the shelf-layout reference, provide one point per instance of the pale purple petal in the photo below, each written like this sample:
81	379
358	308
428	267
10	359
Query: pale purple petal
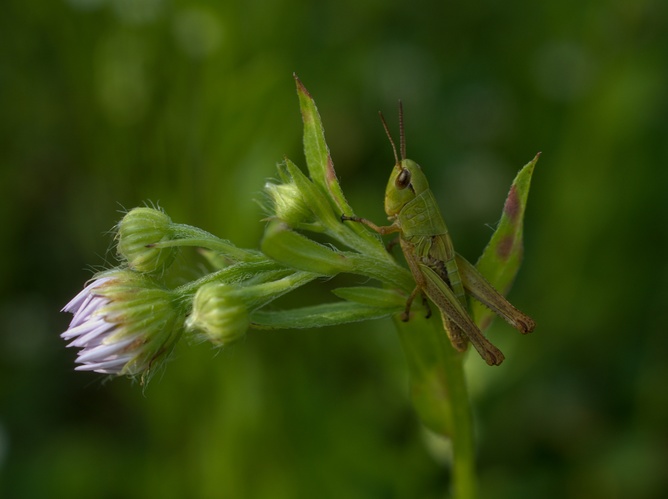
84	295
84	328
113	366
88	308
101	352
91	331
93	337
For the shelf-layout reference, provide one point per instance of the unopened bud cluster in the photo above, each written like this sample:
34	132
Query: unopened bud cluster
128	319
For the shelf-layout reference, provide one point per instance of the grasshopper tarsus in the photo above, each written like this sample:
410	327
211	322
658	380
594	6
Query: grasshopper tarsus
527	326
494	358
389	246
425	303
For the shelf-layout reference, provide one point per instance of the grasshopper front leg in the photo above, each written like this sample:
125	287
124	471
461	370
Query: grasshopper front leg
390	229
382	230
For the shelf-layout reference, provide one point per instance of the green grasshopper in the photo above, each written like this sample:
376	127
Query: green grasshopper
440	273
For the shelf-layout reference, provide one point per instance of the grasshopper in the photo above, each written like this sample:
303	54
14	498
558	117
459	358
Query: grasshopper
440	274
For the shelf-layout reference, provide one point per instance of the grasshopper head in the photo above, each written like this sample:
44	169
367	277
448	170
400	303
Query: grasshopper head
406	182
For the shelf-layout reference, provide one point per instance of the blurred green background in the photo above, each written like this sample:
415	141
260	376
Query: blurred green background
107	104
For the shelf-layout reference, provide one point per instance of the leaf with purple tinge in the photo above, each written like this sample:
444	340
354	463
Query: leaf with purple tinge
318	160
502	257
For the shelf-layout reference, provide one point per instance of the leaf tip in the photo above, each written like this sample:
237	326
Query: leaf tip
533	162
300	86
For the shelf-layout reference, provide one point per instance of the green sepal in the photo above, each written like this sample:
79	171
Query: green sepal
501	259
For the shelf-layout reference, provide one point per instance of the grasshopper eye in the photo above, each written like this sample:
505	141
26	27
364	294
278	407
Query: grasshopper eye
403	180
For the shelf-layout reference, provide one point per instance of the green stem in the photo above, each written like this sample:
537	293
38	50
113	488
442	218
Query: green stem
439	394
232	274
463	441
187	235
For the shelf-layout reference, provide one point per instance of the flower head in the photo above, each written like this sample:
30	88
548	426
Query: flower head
123	323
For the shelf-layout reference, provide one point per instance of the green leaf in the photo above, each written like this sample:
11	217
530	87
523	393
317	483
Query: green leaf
319	161
502	257
297	251
327	314
374	297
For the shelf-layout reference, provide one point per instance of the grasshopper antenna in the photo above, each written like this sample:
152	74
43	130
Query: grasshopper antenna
402	137
389	136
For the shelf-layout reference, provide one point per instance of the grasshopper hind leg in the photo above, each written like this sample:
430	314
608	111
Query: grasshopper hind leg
456	334
459	339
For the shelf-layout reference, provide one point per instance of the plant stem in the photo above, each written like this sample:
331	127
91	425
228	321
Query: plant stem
439	394
462	435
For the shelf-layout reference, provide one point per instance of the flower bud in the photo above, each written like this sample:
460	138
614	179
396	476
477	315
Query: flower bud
288	204
124	323
138	232
219	314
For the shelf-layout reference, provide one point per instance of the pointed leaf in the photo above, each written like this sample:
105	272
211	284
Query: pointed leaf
502	257
298	251
327	314
374	297
319	161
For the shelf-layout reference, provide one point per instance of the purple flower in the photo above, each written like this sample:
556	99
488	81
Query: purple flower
123	322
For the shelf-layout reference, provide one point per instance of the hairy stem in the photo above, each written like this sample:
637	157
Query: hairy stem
439	394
